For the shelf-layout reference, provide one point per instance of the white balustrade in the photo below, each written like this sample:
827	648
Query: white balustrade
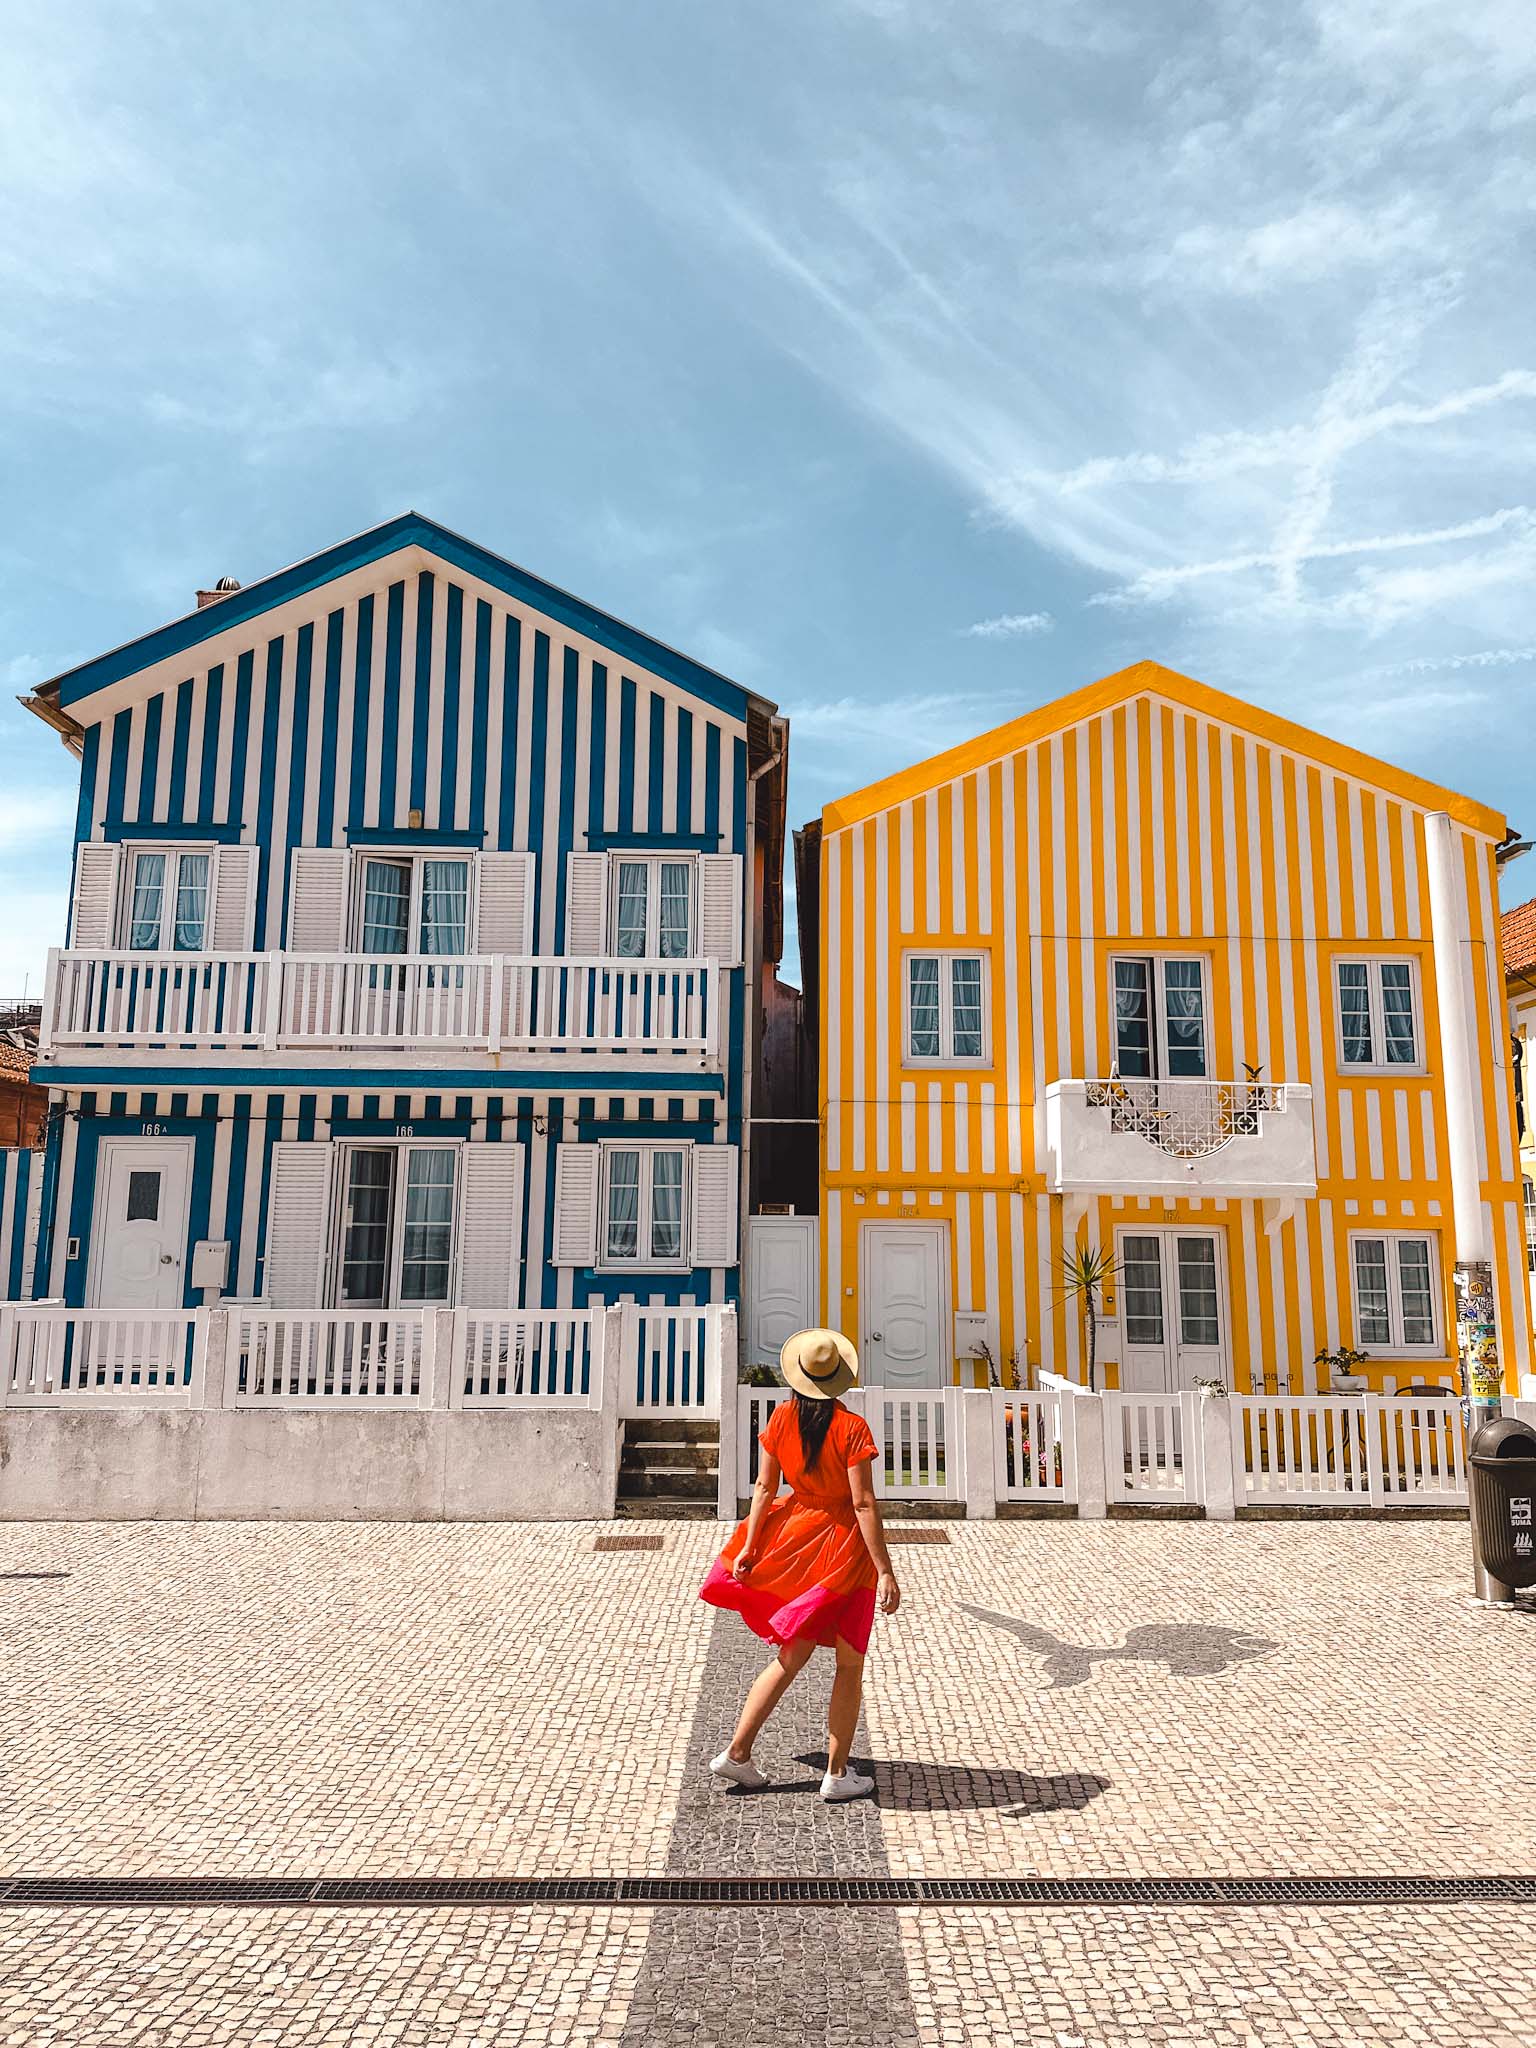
1032	1447
511	1355
325	1358
58	1357
1148	1448
672	1359
493	1003
1371	1450
917	1436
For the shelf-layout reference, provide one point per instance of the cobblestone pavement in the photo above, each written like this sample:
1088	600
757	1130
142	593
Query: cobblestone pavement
1123	1698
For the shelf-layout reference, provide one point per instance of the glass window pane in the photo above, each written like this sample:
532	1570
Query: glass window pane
143	1198
1372	1311
1413	1280
923	1008
445	906
365	1227
1133	1021
623	1237
1184	1017
1141	1287
629	941
666	1205
1397	1013
386	906
426	1251
1199	1307
191	902
965	1008
1355	1012
674	910
148	899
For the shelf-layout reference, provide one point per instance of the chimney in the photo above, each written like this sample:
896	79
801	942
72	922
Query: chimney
225	587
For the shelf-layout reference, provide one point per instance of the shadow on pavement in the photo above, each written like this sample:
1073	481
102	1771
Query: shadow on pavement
1189	1649
952	1788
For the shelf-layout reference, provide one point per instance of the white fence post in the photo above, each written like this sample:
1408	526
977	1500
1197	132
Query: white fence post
1375	1475
442	1358
272	1002
1191	1448
725	1402
978	1437
1090	1454
608	1364
210	1361
1218	1460
7	1350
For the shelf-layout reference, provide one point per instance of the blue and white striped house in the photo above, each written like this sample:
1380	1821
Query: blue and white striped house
414	952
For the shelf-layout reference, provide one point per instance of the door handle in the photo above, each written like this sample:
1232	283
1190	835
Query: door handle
166	1259
877	1336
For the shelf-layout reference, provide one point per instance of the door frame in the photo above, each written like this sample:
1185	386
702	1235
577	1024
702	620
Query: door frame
104	1156
1163	1232
938	1227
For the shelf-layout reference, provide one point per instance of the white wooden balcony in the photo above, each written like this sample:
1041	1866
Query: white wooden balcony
1220	1138
334	1005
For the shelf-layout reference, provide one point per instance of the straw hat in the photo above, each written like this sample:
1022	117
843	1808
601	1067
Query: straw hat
821	1363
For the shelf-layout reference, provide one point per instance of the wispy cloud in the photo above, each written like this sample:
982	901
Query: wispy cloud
1009	626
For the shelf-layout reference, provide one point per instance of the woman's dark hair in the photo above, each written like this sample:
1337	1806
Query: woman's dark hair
815	1419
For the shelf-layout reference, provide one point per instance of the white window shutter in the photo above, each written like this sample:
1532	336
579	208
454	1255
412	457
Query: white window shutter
299	1224
93	916
491	1227
586	904
720	907
317	899
234	898
576	1183
504	922
716	1189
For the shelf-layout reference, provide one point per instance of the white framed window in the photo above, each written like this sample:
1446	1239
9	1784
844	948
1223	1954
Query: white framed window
414	903
652	906
1378	1011
946	1008
168	905
1396	1276
1160	1028
398	1225
644	1207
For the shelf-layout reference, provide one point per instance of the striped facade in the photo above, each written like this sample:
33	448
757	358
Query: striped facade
412	693
21	1188
1150	815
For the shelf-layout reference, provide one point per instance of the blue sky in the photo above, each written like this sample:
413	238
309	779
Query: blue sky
912	360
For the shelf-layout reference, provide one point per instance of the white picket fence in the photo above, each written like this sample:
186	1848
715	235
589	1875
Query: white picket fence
1379	1450
918	1439
248	1355
1034	1455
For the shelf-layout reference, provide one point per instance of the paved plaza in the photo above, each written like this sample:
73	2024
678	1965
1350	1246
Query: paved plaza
1055	1698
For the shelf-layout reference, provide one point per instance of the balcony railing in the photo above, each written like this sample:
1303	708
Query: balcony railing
294	1002
1214	1137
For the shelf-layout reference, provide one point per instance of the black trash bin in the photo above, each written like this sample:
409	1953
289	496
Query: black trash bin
1502	1458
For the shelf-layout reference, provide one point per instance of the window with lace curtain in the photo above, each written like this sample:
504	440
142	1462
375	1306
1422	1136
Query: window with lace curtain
652	907
644	1190
946	1008
1378	1013
414	903
1396	1278
168	908
1159	1022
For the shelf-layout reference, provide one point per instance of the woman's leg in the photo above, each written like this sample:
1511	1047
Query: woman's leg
843	1713
768	1688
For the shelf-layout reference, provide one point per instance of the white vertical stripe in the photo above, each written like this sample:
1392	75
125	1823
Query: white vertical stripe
218	1193
405	709
1328	797
833	1309
958	919
1156	791
1357	860
63	1214
437	697
1346	1134
192	799
309	816
1281	948
982	782
885	967
346	715
373	794
1385	895
935	1128
277	865
135	765
988	1127
1401	1131
931	920
1012	940
1307	1345
1251	1288
495	715
906	872
640	816
1109	825
523	749
668	765
1131	791
224	753
1261	1030
1328	1263
961	1126
1410	829
908	1127
831	1007
963	1297
859	840
463	779
165	754
1375	1151
1181	835
1431	1167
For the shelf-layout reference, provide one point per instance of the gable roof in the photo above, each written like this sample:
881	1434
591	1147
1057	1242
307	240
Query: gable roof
1517	932
62	693
1150	678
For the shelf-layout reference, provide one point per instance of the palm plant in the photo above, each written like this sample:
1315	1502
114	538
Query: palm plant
1085	1269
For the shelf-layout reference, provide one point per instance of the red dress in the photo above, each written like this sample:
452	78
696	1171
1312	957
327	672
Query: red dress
813	1578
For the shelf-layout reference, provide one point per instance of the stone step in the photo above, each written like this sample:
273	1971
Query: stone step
670	1457
666	1483
670	1429
664	1511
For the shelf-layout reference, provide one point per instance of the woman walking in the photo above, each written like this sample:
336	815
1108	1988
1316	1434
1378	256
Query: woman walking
809	1569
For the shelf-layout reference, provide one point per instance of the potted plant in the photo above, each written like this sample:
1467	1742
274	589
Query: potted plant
1342	1367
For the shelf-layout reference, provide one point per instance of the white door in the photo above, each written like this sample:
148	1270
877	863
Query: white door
781	1285
139	1226
1172	1310
905	1287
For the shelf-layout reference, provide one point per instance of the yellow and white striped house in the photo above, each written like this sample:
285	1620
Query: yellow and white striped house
1152	969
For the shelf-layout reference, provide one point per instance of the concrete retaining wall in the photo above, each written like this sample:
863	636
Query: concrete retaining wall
525	1464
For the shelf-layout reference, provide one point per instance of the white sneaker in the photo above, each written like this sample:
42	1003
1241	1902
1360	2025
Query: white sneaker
849	1786
725	1766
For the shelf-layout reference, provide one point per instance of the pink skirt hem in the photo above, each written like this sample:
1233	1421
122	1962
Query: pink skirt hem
818	1615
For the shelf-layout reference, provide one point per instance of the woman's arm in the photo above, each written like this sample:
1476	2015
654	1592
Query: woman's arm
764	1494
861	1479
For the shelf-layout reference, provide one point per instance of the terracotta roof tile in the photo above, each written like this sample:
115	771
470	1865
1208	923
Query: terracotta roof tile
1517	927
15	1061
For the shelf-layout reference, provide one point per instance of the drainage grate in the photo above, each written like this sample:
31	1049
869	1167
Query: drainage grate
928	1535
629	1543
765	1891
36	1575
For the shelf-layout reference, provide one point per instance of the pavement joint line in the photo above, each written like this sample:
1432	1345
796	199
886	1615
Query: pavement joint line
650	1892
